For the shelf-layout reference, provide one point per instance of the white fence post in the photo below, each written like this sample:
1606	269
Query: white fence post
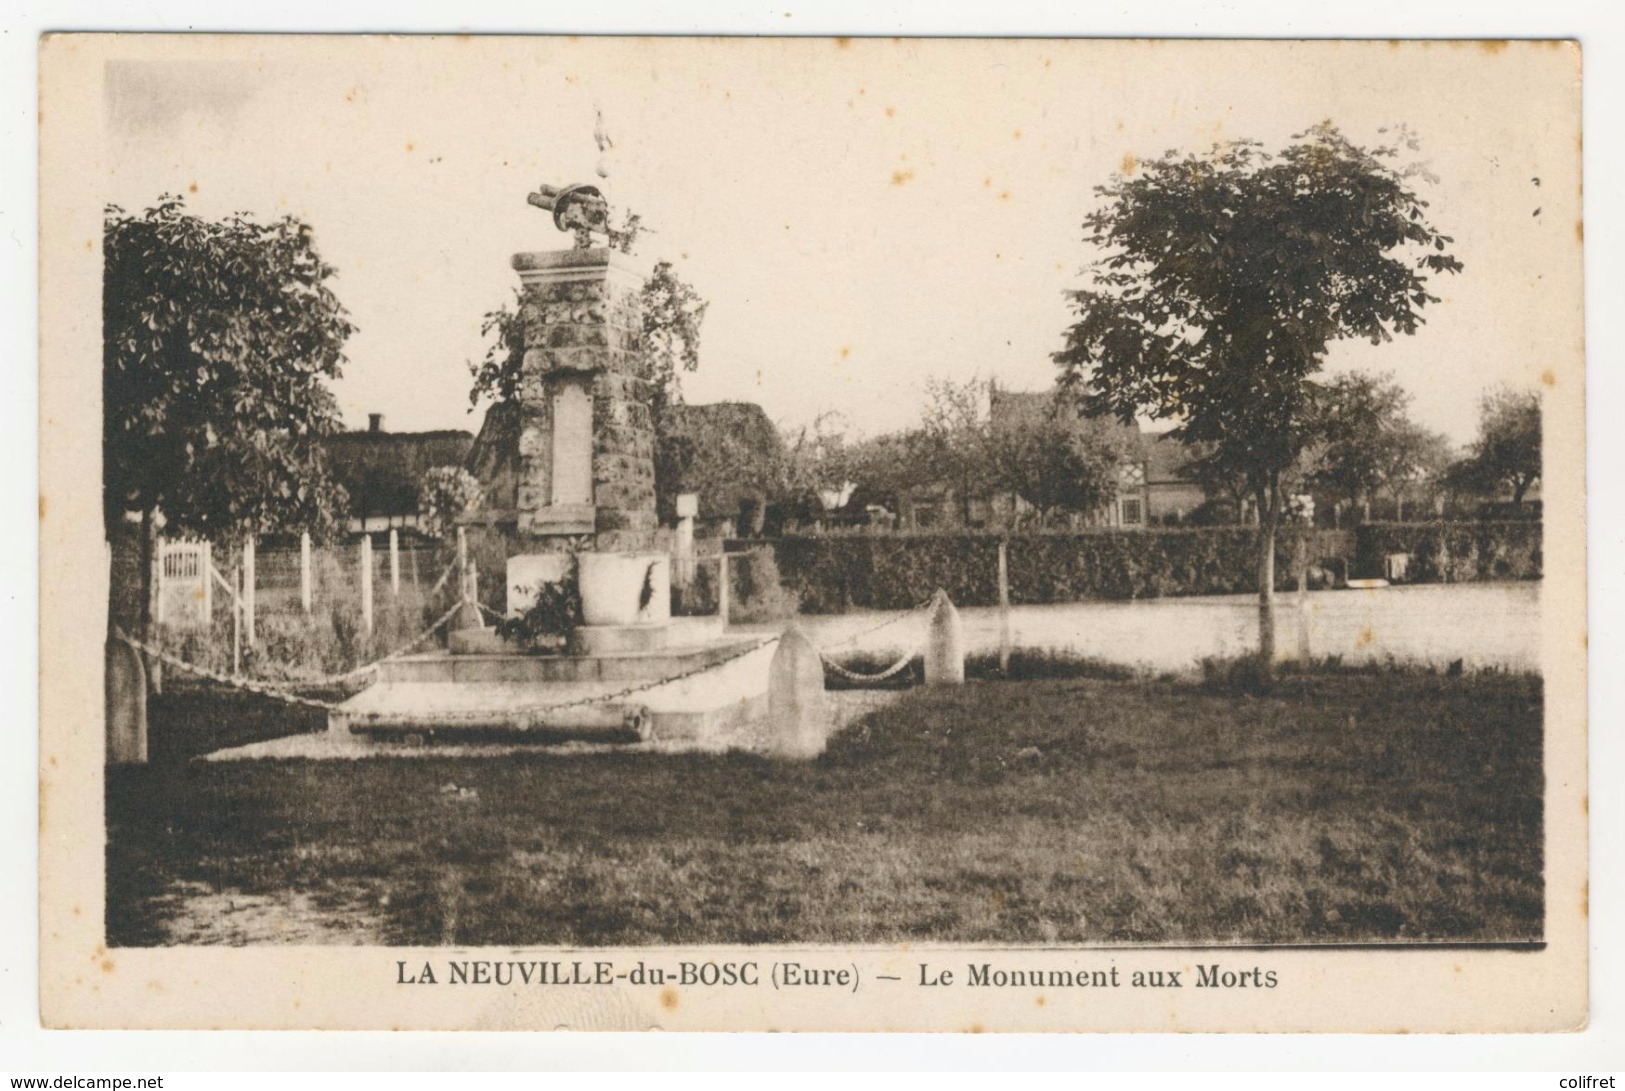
1303	598
462	564
1004	606
366	583
208	585
237	621
304	571
250	582
723	590
394	563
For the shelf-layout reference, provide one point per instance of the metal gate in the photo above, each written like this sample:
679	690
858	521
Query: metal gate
185	594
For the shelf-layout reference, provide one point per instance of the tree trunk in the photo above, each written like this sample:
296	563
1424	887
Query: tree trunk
150	559
1268	517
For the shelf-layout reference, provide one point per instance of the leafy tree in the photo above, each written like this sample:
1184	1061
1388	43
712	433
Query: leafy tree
1415	459
1361	418
443	495
218	340
1055	464
673	313
889	467
1506	455
954	440
1222	281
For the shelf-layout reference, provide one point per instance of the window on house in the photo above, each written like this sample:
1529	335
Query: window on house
1132	513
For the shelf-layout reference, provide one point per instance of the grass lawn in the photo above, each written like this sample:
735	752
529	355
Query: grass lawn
1342	807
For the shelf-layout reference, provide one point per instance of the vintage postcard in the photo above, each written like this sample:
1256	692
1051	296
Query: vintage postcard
812	534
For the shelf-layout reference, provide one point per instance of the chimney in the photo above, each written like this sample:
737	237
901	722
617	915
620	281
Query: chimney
375	422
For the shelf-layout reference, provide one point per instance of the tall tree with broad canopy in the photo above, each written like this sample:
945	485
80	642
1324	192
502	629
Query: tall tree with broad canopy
219	338
1222	280
1362	417
955	435
1505	458
1056	464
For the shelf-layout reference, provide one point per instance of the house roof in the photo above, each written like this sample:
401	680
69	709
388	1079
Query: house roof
1008	407
1164	456
381	470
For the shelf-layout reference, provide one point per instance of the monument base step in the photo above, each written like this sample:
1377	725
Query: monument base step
716	702
619	639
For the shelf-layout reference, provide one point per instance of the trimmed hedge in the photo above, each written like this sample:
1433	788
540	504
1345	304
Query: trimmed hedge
1453	552
892	572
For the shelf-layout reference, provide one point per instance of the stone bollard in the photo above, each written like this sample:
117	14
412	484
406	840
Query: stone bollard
798	714
126	705
944	645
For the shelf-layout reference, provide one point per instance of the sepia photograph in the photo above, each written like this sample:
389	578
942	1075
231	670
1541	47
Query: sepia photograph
1008	508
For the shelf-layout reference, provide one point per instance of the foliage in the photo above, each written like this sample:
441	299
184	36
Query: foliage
673	314
444	494
1369	444
295	647
1359	415
1505	458
547	624
1415	459
954	441
219	338
888	467
836	573
1453	552
1058	465
727	452
1226	276
758	590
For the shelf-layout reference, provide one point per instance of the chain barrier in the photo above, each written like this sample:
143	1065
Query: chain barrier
893	620
596	699
225	679
282	694
441	582
895	668
405	649
854	676
283	691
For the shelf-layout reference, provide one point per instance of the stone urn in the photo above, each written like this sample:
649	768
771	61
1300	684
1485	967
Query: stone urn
625	588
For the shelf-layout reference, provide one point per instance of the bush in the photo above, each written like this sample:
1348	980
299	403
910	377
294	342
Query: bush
758	590
1453	552
547	624
699	598
836	573
293	647
1237	676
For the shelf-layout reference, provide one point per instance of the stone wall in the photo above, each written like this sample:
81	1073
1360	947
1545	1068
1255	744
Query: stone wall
583	332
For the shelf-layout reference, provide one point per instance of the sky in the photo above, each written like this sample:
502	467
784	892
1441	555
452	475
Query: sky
861	215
